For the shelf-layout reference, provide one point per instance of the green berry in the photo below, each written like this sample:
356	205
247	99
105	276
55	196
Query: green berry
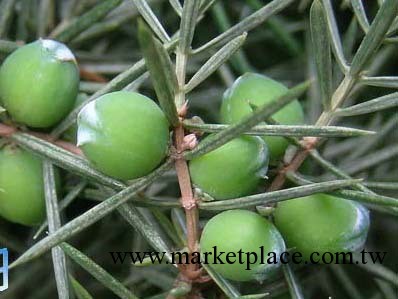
322	223
21	186
124	134
39	83
255	89
235	230
233	170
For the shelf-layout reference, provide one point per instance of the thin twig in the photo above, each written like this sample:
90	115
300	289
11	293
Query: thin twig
8	131
188	200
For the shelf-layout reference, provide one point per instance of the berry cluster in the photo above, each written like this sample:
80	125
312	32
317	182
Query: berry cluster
317	223
126	135
40	96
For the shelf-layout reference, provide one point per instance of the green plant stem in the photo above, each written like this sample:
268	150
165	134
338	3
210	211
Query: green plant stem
7	131
78	25
54	223
181	64
283	37
239	60
7	47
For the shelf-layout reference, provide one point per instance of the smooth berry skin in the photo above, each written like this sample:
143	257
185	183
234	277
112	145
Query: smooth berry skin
235	230
124	134
322	223
39	83
255	89
232	170
21	187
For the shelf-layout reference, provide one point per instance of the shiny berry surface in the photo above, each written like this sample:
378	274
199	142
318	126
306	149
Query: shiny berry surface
124	134
235	230
322	223
255	89
232	170
21	186
39	83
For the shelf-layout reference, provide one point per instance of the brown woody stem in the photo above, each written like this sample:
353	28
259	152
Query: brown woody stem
338	97
187	199
280	179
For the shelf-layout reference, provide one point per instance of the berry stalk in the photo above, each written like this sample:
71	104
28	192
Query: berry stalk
325	119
